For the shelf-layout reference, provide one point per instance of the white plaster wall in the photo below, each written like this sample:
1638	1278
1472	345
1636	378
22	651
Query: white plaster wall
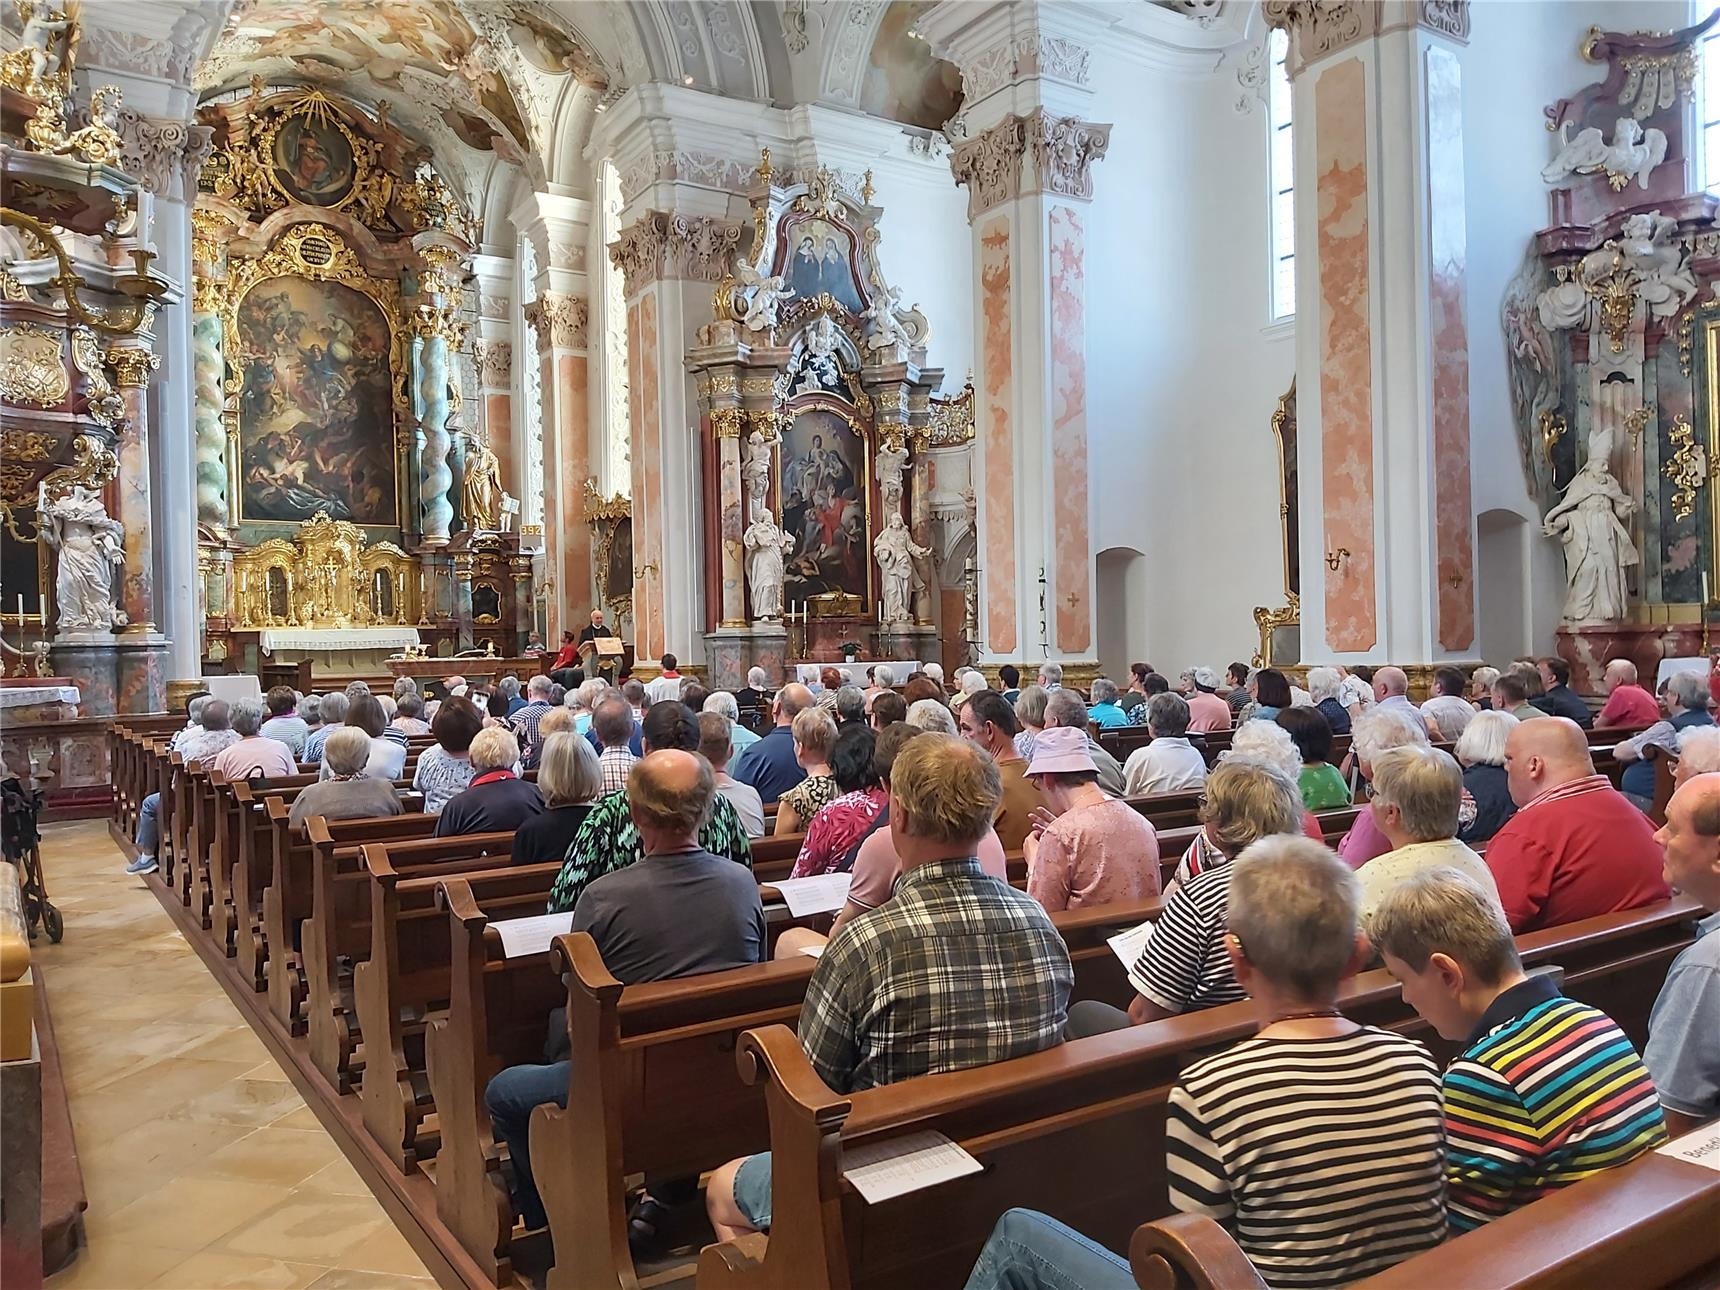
925	252
1521	57
1183	369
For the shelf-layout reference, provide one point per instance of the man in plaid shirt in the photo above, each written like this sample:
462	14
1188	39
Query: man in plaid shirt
955	970
525	722
612	724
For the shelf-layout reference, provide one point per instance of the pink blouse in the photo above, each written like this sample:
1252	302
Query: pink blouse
1095	855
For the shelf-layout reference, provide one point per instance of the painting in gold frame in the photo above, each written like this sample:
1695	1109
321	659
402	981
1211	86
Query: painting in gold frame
825	496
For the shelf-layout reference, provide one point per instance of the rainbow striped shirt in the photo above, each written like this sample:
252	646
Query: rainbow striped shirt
1548	1092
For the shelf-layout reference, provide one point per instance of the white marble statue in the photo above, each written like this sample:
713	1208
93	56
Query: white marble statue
767	295
888	467
90	546
765	544
896	552
1633	154
1589	522
884	330
1666	284
44	39
755	471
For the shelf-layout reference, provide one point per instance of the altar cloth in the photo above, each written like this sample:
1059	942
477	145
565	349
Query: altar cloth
20	696
901	669
336	638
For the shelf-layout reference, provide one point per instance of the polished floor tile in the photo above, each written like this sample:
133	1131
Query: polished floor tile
204	1168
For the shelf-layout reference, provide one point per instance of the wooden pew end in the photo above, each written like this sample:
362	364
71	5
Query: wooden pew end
1189	1252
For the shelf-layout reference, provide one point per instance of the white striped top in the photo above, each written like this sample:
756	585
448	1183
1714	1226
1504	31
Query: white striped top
1184	967
1324	1158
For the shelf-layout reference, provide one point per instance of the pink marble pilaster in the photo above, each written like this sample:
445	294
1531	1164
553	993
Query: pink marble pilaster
1448	254
1345	337
572	417
131	507
559	612
734	605
1070	497
499	426
997	352
648	518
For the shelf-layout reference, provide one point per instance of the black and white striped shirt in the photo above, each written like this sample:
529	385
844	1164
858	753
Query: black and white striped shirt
1184	967
1325	1158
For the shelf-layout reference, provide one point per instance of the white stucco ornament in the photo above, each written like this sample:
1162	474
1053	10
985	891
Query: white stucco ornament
1633	154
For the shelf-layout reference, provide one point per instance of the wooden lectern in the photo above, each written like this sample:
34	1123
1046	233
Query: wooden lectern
607	652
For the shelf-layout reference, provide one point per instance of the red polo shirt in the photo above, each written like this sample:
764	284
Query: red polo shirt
1577	851
1629	705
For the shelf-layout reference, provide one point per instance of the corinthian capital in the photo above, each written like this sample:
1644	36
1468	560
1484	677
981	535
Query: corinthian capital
659	245
989	165
1038	152
560	320
164	154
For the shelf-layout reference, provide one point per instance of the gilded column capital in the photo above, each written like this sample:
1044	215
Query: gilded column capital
132	365
659	246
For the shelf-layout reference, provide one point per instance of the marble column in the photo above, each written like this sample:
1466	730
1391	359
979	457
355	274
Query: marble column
1028	166
668	263
726	426
436	513
141	681
1382	345
494	361
561	321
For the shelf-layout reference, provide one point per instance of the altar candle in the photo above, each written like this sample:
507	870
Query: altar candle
1704	589
20	620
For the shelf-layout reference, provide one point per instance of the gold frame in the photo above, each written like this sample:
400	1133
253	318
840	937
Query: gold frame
342	566
294	254
1268	620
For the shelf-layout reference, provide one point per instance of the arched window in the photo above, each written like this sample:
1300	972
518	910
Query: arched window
1281	174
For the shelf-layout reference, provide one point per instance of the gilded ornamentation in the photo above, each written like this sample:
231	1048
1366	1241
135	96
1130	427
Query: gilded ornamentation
32	369
41	66
599	507
105	406
132	365
1270	621
1636	422
317	252
1688	469
1686	343
1552	430
27	445
951	424
434	205
93	465
726	423
142	289
327	577
97	142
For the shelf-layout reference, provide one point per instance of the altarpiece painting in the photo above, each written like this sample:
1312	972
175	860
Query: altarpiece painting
825	498
316	406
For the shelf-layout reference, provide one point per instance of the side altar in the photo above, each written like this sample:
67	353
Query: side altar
818	413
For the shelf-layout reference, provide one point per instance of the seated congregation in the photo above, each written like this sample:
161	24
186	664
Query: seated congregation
1411	966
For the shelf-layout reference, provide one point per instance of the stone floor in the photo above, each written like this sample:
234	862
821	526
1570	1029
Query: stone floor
205	1169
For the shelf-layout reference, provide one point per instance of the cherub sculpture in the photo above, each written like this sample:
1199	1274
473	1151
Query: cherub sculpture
1633	154
767	292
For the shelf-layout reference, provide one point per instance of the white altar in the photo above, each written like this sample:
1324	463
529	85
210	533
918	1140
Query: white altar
901	669
335	640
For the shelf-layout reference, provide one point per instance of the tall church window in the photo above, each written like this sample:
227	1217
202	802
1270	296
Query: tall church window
1708	113
1281	175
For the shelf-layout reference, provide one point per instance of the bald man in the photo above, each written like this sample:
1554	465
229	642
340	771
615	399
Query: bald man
770	764
1576	848
681	911
1683	1052
1628	704
1391	693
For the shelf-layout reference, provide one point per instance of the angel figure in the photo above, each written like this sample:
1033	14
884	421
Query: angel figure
45	40
767	294
755	470
1633	153
891	460
885	331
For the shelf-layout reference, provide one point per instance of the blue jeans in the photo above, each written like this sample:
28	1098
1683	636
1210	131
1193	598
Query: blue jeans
1028	1250
510	1099
148	831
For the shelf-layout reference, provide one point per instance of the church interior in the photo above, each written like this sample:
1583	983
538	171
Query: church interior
438	370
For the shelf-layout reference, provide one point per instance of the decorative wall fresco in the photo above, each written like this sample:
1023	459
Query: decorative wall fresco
316	412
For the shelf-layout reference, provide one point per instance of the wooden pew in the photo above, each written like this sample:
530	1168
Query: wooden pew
406	972
1648	1224
1076	1131
333	929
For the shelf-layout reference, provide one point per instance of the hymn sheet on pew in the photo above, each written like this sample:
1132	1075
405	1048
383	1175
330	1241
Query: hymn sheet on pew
824	893
1699	1146
1128	945
523	936
881	1171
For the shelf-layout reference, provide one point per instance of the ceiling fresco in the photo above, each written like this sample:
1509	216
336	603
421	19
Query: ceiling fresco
423	55
905	81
